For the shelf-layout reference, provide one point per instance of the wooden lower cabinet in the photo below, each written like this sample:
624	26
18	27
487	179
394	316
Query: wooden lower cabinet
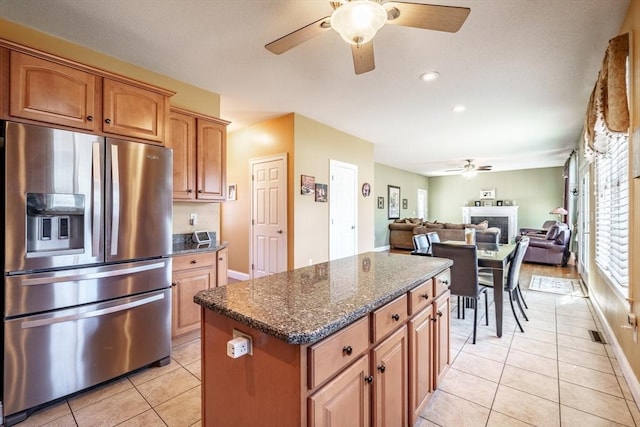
421	358
390	388
345	400
191	274
442	317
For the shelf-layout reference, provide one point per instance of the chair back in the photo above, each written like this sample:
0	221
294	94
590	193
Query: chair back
516	262
433	237
464	271
420	243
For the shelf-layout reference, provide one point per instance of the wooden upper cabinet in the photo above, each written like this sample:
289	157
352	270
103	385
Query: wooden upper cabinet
211	152
49	92
182	138
199	156
133	111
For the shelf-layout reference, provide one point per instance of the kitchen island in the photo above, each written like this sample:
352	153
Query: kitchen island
362	339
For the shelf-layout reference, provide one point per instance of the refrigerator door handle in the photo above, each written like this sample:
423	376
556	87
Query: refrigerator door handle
97	198
75	275
115	203
52	319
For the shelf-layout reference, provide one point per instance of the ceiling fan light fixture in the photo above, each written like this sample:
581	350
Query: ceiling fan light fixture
357	21
469	172
429	76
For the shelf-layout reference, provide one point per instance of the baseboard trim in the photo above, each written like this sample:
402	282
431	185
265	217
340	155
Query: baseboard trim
382	248
237	275
627	372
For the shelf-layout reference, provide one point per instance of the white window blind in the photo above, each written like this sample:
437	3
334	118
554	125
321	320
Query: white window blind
612	211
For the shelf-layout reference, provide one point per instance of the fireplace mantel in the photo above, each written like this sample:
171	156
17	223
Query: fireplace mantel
511	212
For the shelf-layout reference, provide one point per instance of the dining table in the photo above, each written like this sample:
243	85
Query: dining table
495	257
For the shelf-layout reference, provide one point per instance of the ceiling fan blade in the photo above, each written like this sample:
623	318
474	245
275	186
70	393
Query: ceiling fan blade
454	170
299	36
484	168
363	61
426	16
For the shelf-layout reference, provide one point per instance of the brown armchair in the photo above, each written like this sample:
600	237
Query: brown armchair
538	232
550	248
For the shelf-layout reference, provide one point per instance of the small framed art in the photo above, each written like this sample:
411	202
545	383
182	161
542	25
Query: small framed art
380	202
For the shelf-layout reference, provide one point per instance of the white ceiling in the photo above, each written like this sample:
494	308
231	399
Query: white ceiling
523	68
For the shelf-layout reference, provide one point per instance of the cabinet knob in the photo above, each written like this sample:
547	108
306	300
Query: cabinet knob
220	259
434	319
347	350
193	261
425	296
279	231
368	379
439	314
107	121
189	191
395	317
382	368
89	118
445	282
174	284
199	191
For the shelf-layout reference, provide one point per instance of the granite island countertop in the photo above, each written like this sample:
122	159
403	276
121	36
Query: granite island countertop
307	304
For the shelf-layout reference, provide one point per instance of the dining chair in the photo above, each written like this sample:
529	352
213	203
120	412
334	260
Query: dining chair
513	277
421	245
464	277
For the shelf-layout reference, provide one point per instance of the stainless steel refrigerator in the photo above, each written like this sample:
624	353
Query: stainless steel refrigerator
87	238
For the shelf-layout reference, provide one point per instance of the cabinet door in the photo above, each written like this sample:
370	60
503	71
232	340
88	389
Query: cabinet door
185	312
211	148
182	138
441	336
345	400
390	388
53	93
221	266
133	111
420	362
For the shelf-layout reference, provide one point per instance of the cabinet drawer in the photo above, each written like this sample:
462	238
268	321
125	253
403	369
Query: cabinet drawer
331	354
387	318
441	282
185	262
420	297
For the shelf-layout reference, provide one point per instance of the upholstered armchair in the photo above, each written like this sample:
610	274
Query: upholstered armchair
551	247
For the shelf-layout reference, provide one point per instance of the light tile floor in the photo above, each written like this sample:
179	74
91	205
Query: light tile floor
550	375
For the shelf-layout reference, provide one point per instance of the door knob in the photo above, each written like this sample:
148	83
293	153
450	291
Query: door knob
279	231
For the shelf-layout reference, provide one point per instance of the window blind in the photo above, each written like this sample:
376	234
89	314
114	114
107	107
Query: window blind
612	211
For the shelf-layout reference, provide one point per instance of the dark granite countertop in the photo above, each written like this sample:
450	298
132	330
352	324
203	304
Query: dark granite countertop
193	247
310	303
184	244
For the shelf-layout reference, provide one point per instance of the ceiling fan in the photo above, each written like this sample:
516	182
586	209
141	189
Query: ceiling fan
357	22
470	170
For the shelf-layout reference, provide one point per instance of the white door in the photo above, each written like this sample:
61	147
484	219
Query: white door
423	211
343	209
268	216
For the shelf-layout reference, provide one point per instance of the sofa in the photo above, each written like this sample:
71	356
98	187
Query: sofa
551	247
401	231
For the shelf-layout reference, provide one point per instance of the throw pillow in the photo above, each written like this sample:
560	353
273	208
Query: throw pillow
482	225
434	226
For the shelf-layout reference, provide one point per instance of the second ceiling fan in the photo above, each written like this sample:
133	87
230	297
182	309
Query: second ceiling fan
357	22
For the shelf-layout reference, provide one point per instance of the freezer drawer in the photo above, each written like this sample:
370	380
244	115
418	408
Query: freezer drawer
51	355
38	292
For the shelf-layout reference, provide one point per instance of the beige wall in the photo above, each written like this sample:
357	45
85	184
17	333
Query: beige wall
187	96
315	145
409	184
268	138
614	306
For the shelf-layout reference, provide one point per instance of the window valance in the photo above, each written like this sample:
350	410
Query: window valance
608	110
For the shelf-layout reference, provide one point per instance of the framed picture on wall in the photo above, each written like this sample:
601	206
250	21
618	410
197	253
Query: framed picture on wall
394	201
307	185
489	194
405	204
380	202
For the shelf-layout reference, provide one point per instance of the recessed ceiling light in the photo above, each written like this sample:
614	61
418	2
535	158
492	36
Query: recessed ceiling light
458	108
429	76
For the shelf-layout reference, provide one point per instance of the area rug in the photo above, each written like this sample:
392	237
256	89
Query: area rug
557	285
